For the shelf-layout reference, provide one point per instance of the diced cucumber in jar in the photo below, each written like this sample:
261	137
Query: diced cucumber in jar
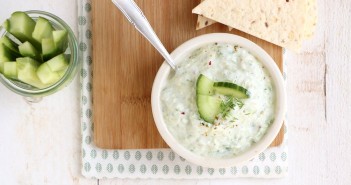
27	68
47	76
52	71
60	39
42	30
6	54
21	26
28	50
11	45
10	70
58	63
25	62
62	72
38	41
1	66
6	24
48	48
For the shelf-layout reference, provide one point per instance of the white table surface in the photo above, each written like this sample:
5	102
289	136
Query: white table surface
40	143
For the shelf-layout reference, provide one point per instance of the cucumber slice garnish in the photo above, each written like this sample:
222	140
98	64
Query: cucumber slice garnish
61	39
28	50
208	107
204	85
231	89
10	70
47	76
21	26
43	29
58	63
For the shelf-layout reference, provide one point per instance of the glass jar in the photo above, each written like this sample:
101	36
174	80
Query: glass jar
31	93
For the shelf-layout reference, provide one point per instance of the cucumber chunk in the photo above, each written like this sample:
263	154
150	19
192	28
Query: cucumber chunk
47	76
6	54
6	24
21	26
49	49
11	45
208	107
10	70
1	66
43	29
204	85
231	89
58	63
62	72
28	50
27	68
26	62
60	39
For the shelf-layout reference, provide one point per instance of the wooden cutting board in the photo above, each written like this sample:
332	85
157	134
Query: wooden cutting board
125	65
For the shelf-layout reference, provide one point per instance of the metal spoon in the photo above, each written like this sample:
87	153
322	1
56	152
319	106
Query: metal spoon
137	18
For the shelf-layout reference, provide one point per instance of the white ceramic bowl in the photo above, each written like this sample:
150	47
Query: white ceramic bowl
256	148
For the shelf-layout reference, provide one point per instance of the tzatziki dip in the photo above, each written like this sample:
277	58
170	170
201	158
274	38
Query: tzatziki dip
219	102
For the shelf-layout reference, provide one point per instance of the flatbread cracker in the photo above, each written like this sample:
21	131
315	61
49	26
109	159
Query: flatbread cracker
285	23
311	22
203	22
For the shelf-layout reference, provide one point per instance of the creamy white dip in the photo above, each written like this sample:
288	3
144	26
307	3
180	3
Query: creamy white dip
243	126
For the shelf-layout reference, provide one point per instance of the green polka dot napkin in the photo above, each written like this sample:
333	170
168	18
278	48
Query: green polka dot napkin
153	163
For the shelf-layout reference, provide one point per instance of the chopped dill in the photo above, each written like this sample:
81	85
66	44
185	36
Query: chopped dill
228	104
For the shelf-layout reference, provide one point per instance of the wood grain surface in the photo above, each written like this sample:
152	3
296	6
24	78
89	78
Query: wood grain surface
125	64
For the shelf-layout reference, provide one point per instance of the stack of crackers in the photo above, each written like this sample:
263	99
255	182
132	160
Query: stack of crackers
286	23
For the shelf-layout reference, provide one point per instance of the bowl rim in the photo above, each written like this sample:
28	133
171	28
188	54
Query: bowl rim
256	148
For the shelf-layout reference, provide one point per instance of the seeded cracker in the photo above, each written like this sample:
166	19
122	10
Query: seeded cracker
285	23
311	22
203	22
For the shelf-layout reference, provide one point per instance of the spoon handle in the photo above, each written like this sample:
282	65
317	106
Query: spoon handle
137	18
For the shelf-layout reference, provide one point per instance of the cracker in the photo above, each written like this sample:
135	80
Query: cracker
203	22
285	23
